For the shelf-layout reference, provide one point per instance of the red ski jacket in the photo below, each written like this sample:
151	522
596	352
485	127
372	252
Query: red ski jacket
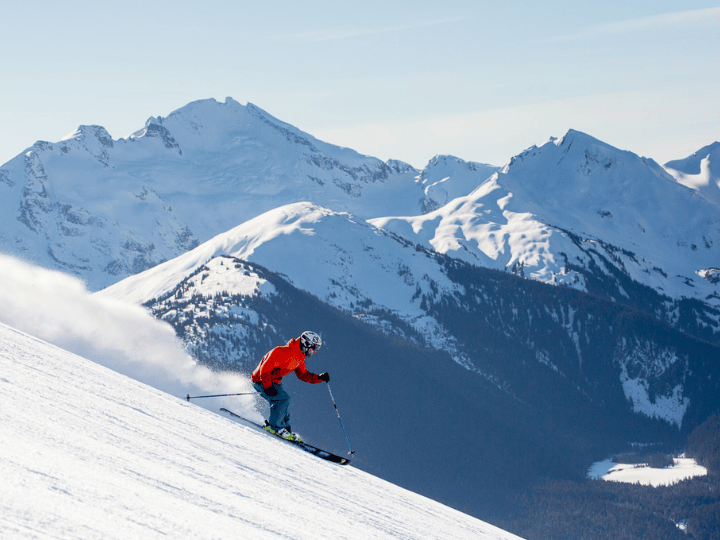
281	361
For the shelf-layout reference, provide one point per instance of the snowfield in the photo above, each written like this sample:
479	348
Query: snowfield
683	469
89	453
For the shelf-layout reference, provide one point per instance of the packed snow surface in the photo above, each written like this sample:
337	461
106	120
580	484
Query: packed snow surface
683	469
90	453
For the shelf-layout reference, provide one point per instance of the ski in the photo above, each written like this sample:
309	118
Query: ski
323	454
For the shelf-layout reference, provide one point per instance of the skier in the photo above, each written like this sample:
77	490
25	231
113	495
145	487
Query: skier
273	367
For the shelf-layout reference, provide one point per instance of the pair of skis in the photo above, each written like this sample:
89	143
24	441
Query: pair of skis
323	454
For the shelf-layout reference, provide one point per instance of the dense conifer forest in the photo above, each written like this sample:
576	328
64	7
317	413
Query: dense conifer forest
599	510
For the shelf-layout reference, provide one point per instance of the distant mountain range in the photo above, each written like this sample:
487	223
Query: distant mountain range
573	211
105	209
569	298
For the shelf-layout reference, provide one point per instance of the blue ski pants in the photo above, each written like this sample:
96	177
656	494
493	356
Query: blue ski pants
279	406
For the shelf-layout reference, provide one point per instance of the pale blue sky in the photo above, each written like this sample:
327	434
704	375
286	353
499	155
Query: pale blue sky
392	79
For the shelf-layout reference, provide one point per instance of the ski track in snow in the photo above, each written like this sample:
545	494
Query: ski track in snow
89	453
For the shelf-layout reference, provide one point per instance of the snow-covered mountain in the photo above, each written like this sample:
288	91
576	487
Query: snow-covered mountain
90	453
576	211
104	209
343	260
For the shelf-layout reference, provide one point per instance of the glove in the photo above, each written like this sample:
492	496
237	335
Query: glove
324	377
271	391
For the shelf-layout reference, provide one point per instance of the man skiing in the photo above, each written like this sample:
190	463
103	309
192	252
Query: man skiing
273	367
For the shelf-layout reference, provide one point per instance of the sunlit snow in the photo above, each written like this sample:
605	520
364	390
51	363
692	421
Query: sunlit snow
88	453
642	474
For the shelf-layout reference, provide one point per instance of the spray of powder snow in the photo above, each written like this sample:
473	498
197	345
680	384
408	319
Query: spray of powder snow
57	308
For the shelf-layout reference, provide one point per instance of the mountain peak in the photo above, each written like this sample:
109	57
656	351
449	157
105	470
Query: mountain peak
699	172
692	165
578	156
93	131
201	106
400	166
587	142
95	139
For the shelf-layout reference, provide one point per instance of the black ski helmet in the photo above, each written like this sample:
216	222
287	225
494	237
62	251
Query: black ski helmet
310	342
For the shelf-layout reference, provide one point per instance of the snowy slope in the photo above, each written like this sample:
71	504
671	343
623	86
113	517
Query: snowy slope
89	453
318	249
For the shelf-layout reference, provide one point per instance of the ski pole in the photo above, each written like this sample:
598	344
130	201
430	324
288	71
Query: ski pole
351	451
189	397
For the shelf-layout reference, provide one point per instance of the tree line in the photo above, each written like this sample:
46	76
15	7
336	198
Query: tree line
595	509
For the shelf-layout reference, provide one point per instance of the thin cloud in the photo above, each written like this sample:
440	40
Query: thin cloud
334	35
706	17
